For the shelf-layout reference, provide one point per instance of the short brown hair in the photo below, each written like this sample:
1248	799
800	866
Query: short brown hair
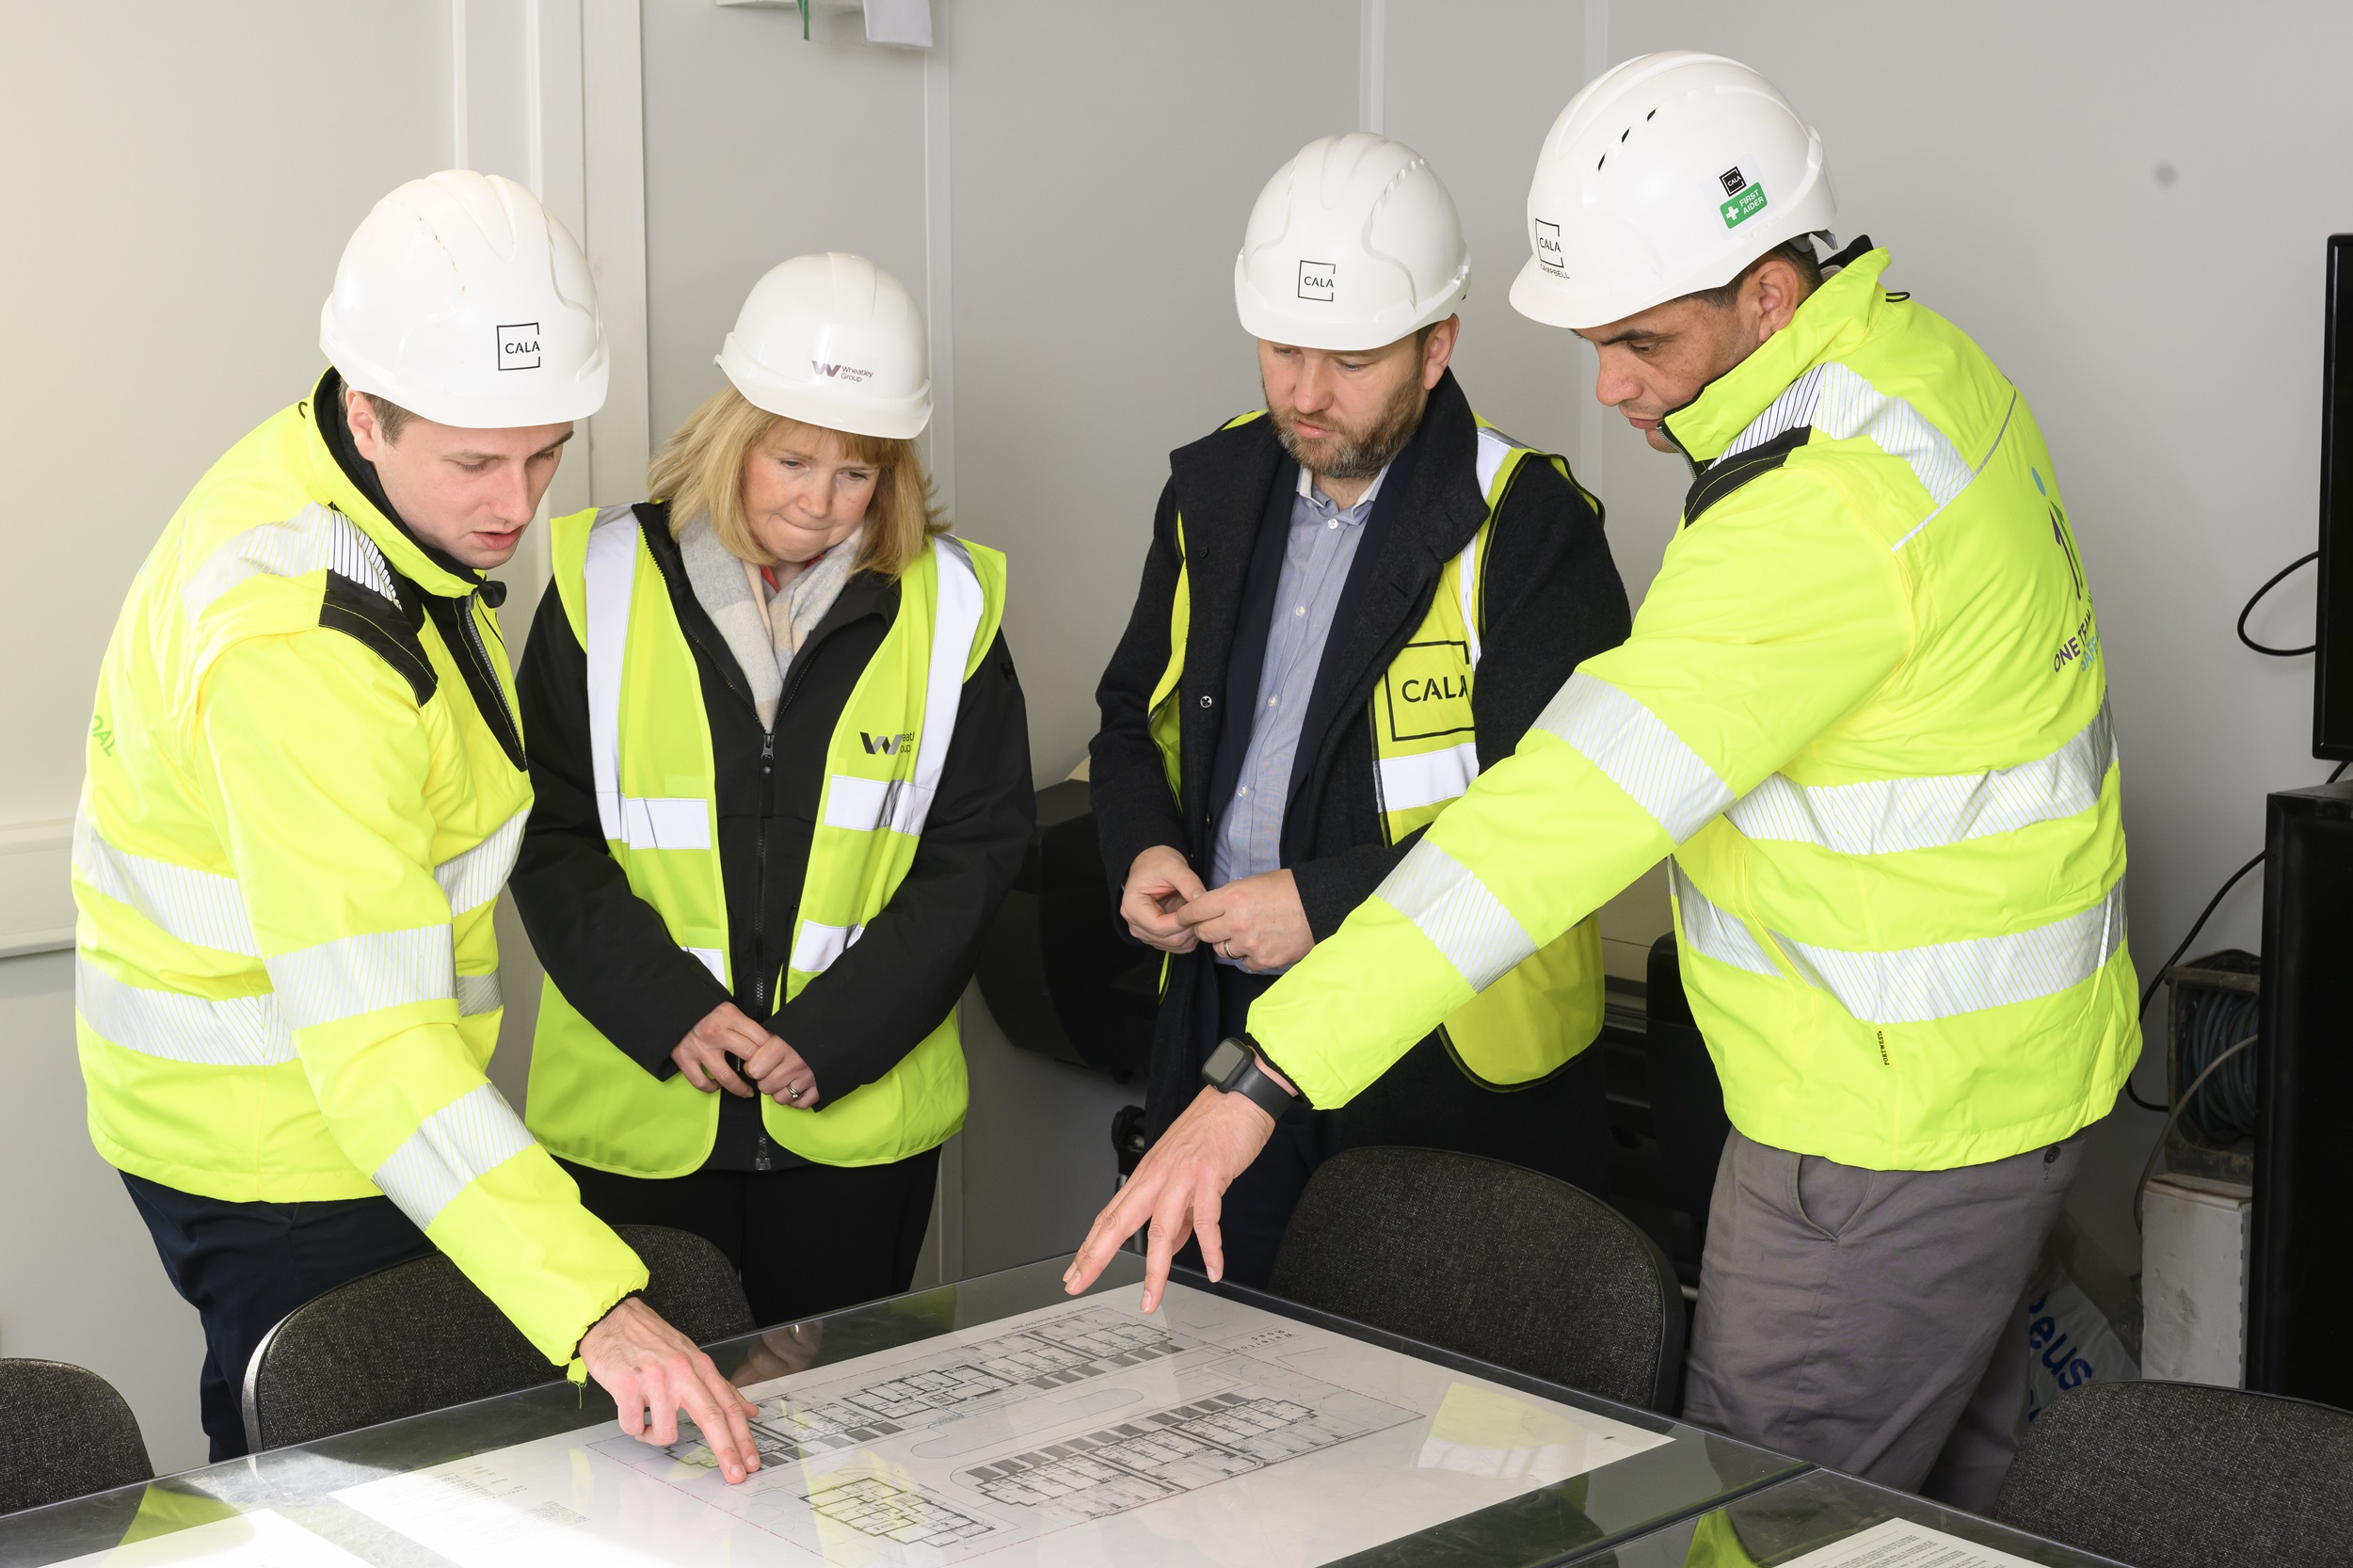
391	418
699	472
1798	253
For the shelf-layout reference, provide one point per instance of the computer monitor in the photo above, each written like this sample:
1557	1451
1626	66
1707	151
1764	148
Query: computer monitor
2332	623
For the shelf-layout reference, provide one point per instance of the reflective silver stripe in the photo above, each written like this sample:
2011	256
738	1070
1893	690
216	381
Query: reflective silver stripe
905	804
456	1146
1448	904
473	878
1884	816
1427	778
1494	448
608	581
200	908
1841	405
712	959
863	805
240	1031
664	822
353	975
1939	980
1636	751
1712	933
954	625
315	538
817	946
478	994
1466	578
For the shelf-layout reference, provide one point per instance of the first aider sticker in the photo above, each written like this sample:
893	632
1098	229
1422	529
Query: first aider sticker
1742	201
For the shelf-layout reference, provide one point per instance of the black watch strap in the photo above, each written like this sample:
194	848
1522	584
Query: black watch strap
1233	1068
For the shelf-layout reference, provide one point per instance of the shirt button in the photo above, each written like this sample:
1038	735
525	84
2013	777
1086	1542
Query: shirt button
1298	609
1270	701
1334	523
1243	791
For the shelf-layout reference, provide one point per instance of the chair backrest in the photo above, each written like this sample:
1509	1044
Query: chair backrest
64	1431
419	1336
1489	1260
2172	1475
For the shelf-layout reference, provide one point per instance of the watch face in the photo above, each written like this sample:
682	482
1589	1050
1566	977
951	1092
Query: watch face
1225	1061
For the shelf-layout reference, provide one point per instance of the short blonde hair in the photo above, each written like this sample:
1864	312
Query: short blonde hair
699	471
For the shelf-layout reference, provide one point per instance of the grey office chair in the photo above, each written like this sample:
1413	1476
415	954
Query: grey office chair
2181	1475
419	1336
1489	1260
64	1431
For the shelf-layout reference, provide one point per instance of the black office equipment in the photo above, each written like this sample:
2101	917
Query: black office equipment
2299	1270
2332	622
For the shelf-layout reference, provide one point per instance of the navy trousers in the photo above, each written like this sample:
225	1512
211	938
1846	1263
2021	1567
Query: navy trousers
243	1266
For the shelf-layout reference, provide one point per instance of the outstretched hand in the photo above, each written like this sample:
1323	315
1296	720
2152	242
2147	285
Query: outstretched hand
654	1371
1178	1190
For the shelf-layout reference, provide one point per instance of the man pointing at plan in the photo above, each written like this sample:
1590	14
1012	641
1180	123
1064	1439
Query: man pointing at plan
1892	810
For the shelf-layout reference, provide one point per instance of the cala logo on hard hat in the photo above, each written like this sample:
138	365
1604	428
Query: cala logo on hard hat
839	372
1318	280
1548	246
519	346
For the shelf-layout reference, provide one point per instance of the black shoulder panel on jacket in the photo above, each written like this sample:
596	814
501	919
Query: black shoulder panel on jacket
382	626
1727	474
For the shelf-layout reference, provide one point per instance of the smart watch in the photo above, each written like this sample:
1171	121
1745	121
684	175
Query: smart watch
1233	1069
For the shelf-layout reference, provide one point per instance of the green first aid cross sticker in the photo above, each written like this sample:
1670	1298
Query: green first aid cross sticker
1742	207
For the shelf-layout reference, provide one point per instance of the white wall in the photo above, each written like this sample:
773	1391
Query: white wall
178	191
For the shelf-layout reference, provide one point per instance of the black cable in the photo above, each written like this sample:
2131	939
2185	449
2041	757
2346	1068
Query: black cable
2157	979
2276	578
2157	976
2149	1168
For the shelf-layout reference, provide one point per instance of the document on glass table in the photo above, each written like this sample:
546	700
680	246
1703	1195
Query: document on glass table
1901	1544
1082	1432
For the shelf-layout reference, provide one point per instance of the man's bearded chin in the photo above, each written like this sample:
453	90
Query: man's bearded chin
1353	454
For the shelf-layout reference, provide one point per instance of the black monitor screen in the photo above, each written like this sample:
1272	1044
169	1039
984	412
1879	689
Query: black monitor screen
2333	673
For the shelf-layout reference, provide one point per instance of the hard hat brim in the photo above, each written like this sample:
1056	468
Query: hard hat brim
1299	330
900	419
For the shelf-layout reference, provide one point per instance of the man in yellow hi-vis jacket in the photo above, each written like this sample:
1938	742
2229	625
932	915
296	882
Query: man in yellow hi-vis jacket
1864	708
306	786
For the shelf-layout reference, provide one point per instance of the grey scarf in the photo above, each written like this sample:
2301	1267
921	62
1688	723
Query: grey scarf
763	630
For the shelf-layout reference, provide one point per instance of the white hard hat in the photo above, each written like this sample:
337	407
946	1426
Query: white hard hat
463	300
833	341
1666	175
1354	244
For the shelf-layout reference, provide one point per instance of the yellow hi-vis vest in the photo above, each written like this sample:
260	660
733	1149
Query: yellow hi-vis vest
294	831
1864	706
1425	741
650	745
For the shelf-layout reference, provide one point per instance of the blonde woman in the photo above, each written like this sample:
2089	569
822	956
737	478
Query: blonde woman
783	781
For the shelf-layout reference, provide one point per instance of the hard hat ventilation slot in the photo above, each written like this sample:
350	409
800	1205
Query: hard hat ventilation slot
1602	159
1627	132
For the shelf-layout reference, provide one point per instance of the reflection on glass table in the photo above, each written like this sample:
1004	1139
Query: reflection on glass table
991	1421
1822	1519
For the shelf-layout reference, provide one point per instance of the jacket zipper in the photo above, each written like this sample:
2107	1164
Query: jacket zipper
759	887
482	659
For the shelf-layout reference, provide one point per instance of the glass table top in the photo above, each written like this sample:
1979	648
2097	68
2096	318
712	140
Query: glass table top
1783	1523
990	1420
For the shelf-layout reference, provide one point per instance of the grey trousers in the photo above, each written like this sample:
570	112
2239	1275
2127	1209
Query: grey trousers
1852	1316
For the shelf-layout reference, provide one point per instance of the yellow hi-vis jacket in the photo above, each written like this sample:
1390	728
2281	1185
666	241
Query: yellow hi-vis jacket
296	824
1864	707
657	796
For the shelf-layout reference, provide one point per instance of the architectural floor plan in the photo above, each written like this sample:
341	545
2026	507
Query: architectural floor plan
1083	1431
